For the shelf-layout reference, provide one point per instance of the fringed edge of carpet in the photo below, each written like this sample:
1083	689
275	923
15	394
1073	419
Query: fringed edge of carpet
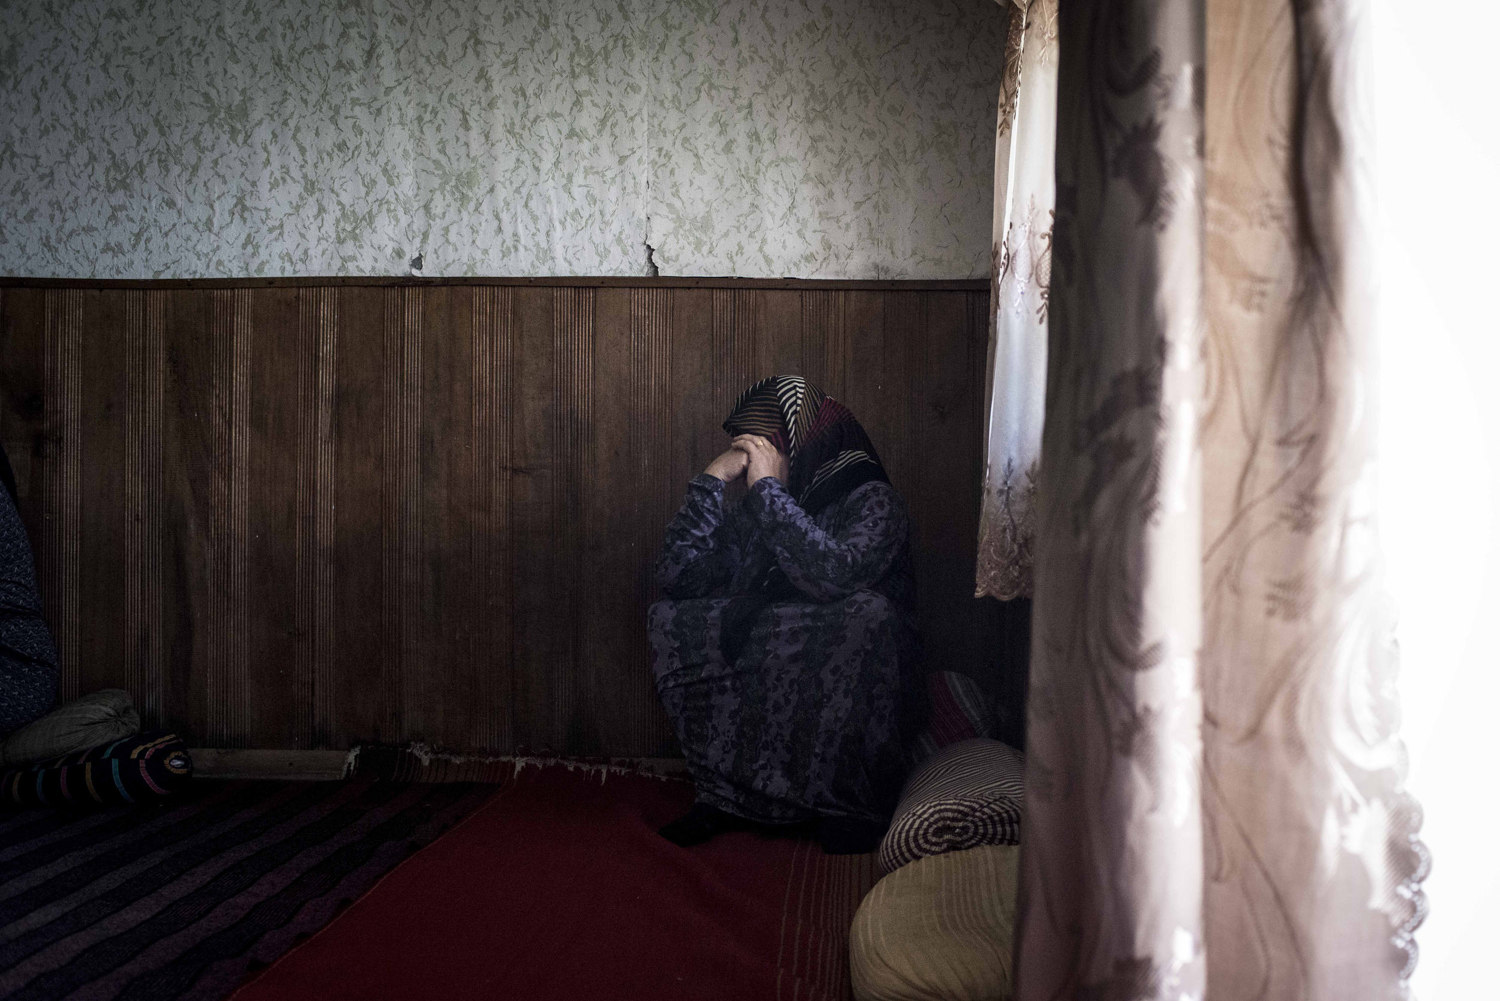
420	762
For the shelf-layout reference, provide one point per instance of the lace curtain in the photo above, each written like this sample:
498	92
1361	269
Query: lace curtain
1020	262
1215	803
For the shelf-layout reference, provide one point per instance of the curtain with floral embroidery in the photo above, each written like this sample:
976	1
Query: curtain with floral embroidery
1020	262
1215	802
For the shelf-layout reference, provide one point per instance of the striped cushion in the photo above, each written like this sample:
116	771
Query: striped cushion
966	795
957	710
86	722
126	771
939	929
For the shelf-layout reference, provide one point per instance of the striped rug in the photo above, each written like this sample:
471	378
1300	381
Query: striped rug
186	898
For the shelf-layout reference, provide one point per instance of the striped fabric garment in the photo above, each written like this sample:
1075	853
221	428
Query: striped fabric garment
968	794
144	767
957	709
942	927
829	452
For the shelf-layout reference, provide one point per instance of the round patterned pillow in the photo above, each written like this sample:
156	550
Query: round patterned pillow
149	766
966	795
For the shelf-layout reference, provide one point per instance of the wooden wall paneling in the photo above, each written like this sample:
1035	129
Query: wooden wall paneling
189	468
543	653
145	441
573	339
334	515
944	423
734	352
361	702
492	639
111	319
447	600
864	340
611	635
271	418
225	626
401	504
701	327
825	340
778	333
654	326
317	355
884	334
881	331
61	489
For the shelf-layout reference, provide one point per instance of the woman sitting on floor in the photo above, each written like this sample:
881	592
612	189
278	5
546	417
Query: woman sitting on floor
784	652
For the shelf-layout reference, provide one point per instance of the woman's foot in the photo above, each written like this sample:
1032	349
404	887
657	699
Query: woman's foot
699	824
848	836
703	822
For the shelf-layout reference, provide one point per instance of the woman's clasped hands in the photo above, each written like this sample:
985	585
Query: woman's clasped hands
750	456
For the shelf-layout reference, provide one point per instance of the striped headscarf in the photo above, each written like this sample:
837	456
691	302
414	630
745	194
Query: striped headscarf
830	454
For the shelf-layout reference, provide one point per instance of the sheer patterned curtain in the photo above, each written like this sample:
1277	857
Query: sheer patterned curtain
1214	786
1020	265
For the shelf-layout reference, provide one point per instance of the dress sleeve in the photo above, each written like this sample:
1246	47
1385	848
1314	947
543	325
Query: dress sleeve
823	565
701	550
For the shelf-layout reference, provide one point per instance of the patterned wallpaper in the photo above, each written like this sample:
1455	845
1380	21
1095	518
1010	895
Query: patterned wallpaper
297	137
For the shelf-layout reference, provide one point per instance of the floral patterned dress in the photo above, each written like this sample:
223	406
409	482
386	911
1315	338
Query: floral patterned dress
805	713
28	659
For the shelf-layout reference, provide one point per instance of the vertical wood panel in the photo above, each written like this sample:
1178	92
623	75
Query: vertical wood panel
61	487
825	340
401	493
625	508
573	409
864	330
446	604
946	488
145	379
236	596
542	653
493	329
110	318
215	627
653	318
189	468
305	518
317	380
224	652
699	338
607	638
778	333
365	686
273	454
735	351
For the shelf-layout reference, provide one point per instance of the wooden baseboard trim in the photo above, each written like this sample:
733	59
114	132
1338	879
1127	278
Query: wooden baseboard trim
246	763
411	765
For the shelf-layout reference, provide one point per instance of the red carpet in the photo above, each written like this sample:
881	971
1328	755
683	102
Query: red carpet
559	888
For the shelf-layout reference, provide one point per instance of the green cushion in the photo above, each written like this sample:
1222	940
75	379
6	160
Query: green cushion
87	722
938	929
